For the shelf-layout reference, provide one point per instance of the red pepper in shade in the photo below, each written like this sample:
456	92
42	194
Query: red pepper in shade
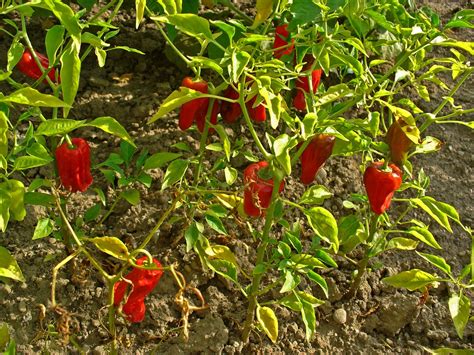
381	184
74	165
258	113
280	44
189	110
28	66
230	111
314	156
201	116
302	85
398	140
258	191
143	281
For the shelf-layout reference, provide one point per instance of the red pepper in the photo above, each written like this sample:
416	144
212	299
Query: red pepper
258	113
143	281
381	185
281	41
201	116
302	84
192	110
398	141
314	156
28	66
258	191
74	165
230	111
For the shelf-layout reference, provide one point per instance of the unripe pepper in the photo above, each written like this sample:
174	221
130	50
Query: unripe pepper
28	66
282	39
302	85
398	140
230	111
314	156
381	184
16	190
143	281
258	191
74	165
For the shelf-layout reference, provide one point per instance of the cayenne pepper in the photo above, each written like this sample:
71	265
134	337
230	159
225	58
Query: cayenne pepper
314	156
143	281
381	184
74	165
28	66
280	44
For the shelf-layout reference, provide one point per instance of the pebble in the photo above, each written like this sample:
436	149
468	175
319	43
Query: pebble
22	306
340	316
437	335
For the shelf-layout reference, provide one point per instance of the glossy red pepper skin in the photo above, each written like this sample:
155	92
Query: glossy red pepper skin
398	141
282	39
230	111
74	165
381	185
144	281
315	155
302	86
191	109
28	66
201	116
258	113
258	191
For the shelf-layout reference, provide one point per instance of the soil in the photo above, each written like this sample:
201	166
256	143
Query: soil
381	319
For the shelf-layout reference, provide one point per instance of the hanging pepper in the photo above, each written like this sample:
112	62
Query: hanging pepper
302	84
16	190
258	113
74	165
142	281
230	111
280	44
201	116
28	66
314	156
398	140
381	184
258	191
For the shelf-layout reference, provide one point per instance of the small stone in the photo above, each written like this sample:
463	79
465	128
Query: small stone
437	335
22	306
340	316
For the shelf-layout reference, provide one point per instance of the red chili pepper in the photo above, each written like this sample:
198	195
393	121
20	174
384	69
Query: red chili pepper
258	113
74	165
201	116
282	37
230	111
143	281
190	109
398	141
258	191
28	66
381	185
302	84
314	156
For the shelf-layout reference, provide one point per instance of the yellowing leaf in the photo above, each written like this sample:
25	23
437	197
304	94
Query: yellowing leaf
112	246
264	9
221	252
269	322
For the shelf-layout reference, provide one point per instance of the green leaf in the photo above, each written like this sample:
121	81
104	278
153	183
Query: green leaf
140	11
112	246
303	12
309	319
111	125
9	267
38	199
268	321
67	17
319	280
424	235
190	24
4	209
291	282
58	127
32	97
92	213
439	211
215	223
231	175
413	279
43	228
459	307
175	172
315	195
450	351
132	196
14	54
324	225
401	243
281	146
224	138
437	261
28	162
240	61
171	6
224	268
53	40
176	99
204	62
221	252
4	336
191	235
70	75
158	160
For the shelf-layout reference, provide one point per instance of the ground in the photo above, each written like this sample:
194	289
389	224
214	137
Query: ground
379	320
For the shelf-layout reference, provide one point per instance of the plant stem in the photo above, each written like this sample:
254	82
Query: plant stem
234	8
109	212
262	248
202	142
111	315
